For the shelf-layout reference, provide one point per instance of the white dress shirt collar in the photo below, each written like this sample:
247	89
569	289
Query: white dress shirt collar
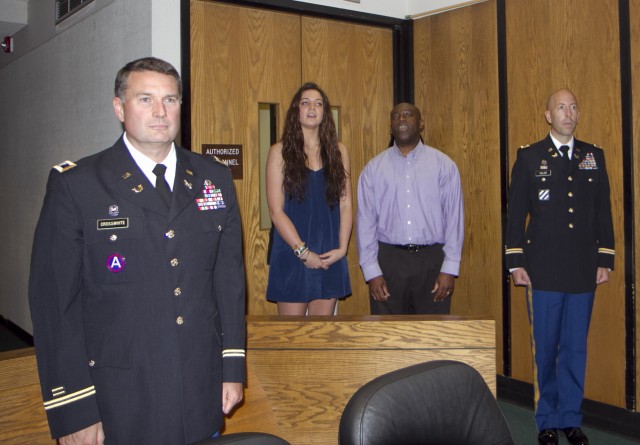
147	164
559	144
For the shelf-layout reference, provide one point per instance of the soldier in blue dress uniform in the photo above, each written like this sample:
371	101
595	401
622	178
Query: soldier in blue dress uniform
562	254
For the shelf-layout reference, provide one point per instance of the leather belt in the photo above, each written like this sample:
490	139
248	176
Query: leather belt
411	247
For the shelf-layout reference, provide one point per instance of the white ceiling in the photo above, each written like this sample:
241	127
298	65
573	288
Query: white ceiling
14	13
395	8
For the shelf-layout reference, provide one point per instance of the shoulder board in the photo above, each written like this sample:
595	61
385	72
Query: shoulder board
64	166
217	159
524	146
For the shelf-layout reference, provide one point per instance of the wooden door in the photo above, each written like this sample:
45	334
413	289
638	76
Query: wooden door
456	88
242	57
353	64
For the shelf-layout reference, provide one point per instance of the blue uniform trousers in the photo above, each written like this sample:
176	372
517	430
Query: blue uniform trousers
560	323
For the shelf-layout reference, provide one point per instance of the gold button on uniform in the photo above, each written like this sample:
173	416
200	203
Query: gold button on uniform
570	209
180	320
113	238
570	178
92	363
177	291
170	234
174	262
571	225
570	194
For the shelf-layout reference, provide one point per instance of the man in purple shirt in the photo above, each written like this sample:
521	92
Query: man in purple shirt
409	226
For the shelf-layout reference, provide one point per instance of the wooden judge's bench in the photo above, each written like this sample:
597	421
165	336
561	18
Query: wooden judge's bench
301	371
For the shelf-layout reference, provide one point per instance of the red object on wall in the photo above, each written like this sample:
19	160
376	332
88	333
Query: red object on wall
7	44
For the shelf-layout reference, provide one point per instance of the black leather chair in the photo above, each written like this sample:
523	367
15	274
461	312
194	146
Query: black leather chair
440	402
244	439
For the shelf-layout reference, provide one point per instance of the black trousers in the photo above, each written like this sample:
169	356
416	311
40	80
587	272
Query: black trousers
410	277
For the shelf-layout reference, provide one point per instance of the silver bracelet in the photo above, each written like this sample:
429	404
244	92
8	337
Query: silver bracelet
300	250
305	250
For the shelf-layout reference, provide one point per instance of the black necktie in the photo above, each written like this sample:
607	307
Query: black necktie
564	149
162	186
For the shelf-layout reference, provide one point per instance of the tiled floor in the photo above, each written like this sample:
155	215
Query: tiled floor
523	428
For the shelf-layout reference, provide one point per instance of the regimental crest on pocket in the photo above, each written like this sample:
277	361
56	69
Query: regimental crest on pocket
543	195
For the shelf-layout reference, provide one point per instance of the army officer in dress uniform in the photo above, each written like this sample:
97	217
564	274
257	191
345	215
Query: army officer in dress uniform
566	249
137	286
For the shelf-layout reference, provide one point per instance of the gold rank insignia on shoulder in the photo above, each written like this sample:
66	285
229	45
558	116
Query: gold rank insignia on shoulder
64	166
524	146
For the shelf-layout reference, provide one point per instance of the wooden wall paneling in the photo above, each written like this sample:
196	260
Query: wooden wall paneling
456	88
634	11
353	64
552	44
239	58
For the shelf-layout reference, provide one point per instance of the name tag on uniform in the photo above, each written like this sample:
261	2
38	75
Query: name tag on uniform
116	223
540	173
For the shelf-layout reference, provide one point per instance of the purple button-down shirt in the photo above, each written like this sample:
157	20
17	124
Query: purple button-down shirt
409	200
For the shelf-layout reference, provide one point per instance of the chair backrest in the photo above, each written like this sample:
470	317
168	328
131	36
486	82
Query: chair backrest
244	439
439	402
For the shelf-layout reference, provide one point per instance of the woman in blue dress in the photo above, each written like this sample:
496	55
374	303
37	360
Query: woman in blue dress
309	197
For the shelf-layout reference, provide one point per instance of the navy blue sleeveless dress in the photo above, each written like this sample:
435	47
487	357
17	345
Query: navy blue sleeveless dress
318	225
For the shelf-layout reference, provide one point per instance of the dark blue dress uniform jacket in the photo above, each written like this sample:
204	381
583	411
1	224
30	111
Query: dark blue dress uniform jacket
138	310
570	231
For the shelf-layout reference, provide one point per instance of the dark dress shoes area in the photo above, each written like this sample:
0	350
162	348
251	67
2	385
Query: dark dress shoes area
575	436
548	437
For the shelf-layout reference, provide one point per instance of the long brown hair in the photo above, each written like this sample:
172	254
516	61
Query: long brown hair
295	160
